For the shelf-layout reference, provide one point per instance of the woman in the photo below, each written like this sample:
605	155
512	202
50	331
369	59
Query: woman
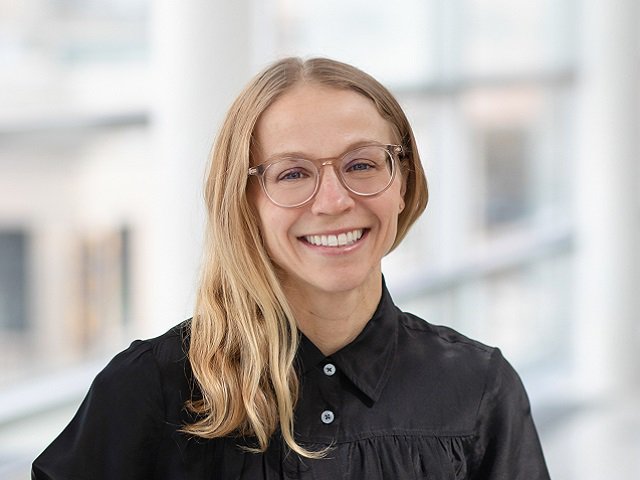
296	363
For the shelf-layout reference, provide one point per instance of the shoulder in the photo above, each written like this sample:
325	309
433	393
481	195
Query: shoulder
462	370
465	368
168	349
447	348
155	353
438	341
155	369
133	405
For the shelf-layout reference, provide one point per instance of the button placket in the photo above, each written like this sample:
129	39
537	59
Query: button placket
328	416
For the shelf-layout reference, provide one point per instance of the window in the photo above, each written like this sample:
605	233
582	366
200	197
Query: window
505	157
14	281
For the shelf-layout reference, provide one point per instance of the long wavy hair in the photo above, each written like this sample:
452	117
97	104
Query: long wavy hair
243	335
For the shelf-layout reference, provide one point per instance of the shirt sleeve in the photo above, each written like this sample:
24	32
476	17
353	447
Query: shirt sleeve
509	447
114	434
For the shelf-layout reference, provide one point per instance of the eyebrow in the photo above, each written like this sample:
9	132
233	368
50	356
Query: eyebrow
299	154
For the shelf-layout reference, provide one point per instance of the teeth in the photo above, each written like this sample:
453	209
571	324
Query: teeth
342	240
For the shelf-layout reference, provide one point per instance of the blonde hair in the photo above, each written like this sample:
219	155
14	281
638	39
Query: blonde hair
243	336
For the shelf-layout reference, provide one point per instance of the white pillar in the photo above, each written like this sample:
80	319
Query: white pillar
201	59
607	292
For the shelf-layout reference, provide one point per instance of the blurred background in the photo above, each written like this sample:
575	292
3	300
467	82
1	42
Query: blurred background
527	115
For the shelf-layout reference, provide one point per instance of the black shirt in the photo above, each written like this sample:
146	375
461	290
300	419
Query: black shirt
404	400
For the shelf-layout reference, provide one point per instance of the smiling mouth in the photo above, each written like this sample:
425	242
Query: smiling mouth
342	240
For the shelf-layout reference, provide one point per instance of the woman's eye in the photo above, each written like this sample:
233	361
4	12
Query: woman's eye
292	175
360	166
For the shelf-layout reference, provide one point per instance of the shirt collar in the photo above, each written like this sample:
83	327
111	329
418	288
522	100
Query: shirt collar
366	361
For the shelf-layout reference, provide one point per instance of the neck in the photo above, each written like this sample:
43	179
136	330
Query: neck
332	320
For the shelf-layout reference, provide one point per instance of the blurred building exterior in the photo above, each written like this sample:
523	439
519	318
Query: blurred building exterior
527	116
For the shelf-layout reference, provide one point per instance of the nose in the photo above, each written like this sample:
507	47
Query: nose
332	198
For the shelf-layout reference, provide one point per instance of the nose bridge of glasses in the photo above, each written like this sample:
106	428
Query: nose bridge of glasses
334	163
331	195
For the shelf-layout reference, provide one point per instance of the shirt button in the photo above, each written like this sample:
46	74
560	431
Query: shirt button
329	369
327	417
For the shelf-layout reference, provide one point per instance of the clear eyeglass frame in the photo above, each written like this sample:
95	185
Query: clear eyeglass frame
393	150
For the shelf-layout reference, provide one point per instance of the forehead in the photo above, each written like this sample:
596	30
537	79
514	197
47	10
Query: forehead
322	121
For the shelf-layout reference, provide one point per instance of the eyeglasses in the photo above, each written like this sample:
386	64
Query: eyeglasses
291	181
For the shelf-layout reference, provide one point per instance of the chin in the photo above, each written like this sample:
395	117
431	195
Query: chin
340	282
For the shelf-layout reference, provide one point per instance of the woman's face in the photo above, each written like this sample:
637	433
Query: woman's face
322	122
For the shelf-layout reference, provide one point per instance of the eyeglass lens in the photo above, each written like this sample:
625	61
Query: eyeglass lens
364	171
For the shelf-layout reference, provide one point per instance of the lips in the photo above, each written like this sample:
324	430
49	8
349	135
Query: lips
340	240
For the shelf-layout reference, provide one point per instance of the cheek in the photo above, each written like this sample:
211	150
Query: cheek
275	224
